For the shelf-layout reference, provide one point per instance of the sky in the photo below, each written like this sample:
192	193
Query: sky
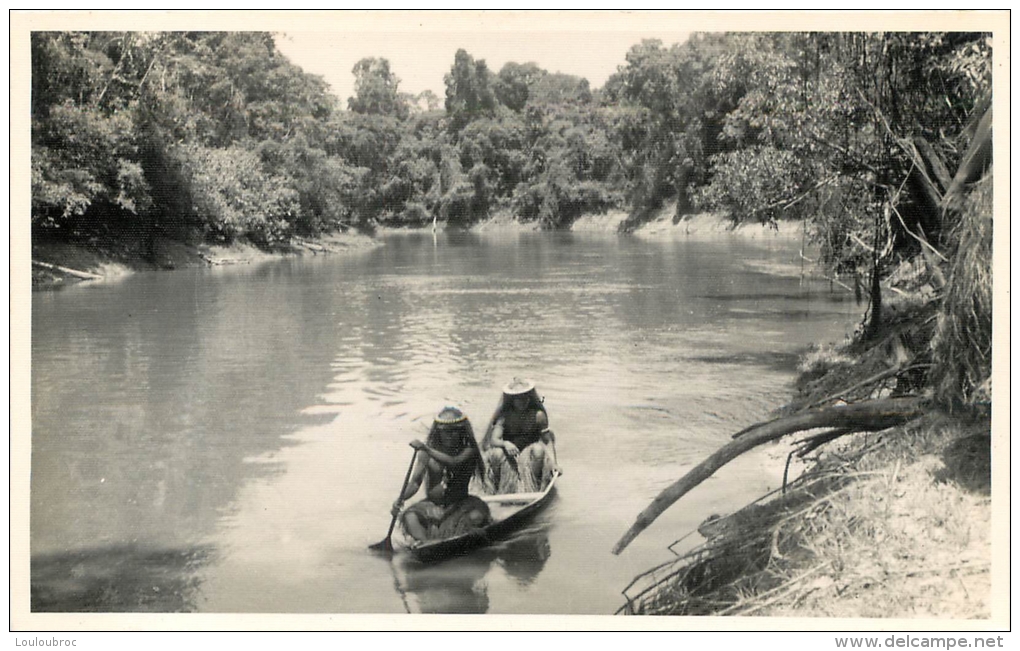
420	58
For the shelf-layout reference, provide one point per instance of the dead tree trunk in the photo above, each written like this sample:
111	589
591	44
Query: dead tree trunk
874	327
84	275
864	416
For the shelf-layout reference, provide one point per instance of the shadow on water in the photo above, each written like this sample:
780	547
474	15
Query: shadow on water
524	557
777	314
118	579
774	360
806	296
458	585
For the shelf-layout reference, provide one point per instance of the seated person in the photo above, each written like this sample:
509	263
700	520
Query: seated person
446	462
519	447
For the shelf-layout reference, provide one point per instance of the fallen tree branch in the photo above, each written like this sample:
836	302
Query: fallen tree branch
864	416
888	373
812	443
84	275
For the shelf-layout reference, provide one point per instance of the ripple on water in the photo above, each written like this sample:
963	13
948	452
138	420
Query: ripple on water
282	440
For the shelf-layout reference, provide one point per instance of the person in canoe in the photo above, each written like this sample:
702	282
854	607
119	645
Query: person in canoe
519	447
447	461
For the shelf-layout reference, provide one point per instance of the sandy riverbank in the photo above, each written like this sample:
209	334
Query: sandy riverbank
895	523
56	263
659	225
714	225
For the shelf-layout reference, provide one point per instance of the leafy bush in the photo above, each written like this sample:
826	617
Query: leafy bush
81	156
415	213
236	198
751	184
456	206
559	202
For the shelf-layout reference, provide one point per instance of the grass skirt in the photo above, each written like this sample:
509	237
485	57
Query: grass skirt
529	473
447	521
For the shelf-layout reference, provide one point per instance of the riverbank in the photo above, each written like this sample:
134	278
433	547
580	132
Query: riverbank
889	524
504	221
712	225
57	263
895	524
658	225
906	534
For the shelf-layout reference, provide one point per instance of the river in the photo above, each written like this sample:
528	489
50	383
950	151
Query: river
230	439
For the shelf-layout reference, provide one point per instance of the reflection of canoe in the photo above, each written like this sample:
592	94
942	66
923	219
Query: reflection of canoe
509	513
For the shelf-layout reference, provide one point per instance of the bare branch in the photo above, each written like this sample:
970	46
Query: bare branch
865	416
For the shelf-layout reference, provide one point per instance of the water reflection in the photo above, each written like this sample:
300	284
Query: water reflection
460	585
264	412
126	578
524	557
148	397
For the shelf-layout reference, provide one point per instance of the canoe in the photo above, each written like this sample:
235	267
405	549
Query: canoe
509	513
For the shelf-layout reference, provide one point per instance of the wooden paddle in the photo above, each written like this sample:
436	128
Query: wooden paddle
386	545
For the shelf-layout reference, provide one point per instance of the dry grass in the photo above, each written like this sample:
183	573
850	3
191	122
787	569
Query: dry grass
964	329
895	524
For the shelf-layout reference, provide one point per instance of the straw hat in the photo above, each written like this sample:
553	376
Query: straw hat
517	386
450	416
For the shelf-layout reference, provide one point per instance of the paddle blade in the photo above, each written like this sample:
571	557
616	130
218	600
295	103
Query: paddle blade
383	546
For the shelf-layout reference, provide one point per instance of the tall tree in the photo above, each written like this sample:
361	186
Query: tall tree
376	90
513	84
469	90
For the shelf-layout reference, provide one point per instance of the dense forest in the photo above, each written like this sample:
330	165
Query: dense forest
868	138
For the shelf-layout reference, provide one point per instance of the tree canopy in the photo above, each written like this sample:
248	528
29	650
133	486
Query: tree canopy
817	126
376	91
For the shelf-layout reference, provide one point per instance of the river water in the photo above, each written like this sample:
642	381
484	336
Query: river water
231	439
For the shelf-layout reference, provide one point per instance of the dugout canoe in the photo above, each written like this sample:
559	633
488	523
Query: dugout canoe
510	512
